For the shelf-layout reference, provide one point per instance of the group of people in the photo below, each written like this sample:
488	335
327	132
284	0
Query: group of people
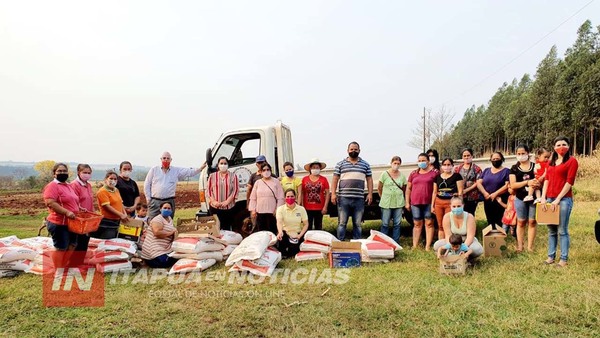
437	194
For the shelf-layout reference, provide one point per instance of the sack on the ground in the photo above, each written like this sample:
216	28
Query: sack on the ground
207	244
314	246
108	256
13	253
21	265
263	266
309	256
39	243
232	238
320	236
189	265
252	247
117	244
8	273
374	249
186	245
216	255
383	238
94	242
114	266
228	250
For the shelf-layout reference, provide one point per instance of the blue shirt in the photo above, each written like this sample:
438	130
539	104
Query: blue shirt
450	252
352	177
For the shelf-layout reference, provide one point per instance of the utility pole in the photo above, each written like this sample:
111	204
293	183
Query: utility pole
424	130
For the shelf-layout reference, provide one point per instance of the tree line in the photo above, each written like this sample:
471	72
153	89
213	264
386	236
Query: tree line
563	98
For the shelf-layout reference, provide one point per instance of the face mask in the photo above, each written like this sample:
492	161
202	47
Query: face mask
353	154
431	159
562	150
223	167
290	200
457	211
85	177
522	158
166	212
422	165
395	167
266	174
289	173
126	173
315	171
166	164
112	183
469	160
62	178
447	168
497	163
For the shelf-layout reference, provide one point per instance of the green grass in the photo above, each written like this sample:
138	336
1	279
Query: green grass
511	296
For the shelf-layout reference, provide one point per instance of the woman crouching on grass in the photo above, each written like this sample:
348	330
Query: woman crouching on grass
462	223
292	224
158	239
62	203
558	187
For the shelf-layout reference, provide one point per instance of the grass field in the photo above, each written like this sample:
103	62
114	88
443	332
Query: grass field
512	296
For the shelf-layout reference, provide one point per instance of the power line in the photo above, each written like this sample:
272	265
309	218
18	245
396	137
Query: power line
520	54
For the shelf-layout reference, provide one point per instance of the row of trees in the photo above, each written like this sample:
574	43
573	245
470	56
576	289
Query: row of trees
562	99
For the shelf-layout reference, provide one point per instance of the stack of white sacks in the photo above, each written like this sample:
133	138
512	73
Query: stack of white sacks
23	255
111	255
255	255
316	245
378	247
199	254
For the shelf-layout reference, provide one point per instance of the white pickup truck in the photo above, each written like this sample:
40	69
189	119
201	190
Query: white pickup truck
242	146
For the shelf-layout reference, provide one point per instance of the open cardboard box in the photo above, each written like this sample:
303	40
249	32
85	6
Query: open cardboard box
199	227
345	255
494	241
453	265
131	229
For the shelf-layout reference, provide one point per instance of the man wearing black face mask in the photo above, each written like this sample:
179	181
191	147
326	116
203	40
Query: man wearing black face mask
351	174
493	185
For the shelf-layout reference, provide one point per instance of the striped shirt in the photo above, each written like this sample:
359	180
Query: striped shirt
153	246
352	177
222	187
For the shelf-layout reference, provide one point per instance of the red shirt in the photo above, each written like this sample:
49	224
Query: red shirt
85	194
540	168
313	193
558	175
63	194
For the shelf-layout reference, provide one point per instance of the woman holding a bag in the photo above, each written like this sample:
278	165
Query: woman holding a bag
266	196
448	184
391	187
470	172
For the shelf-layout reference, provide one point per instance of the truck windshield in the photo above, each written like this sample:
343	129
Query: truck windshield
240	149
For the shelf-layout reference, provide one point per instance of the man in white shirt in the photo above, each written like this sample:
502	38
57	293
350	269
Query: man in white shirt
161	183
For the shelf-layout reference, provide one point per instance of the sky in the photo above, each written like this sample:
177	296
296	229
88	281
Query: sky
103	82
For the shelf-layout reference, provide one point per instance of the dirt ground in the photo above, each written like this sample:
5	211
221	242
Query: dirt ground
31	203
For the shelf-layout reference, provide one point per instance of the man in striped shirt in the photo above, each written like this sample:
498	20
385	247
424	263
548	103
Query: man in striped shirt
348	189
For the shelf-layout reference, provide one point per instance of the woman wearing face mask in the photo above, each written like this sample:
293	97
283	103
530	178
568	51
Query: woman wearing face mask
419	192
434	158
391	187
292	224
461	223
289	181
222	192
470	173
314	194
493	184
266	196
448	184
158	239
62	203
82	187
522	178
111	207
558	188
128	188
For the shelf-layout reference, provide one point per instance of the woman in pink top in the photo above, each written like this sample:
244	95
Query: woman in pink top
266	196
83	189
419	192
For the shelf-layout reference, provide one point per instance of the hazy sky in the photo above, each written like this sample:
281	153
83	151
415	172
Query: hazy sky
106	81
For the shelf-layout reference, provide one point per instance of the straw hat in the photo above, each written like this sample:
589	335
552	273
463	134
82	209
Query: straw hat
314	161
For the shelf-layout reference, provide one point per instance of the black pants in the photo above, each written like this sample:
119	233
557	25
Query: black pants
266	222
471	207
315	219
288	249
494	211
108	229
225	217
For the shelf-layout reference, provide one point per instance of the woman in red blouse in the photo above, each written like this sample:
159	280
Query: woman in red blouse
560	178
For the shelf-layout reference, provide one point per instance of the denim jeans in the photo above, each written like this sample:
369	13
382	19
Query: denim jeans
347	207
562	229
396	215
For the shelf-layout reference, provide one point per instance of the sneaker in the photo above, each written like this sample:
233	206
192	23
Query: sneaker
537	201
528	199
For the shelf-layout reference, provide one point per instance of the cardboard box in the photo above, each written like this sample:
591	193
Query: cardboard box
494	241
453	265
131	229
345	255
199	227
548	216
